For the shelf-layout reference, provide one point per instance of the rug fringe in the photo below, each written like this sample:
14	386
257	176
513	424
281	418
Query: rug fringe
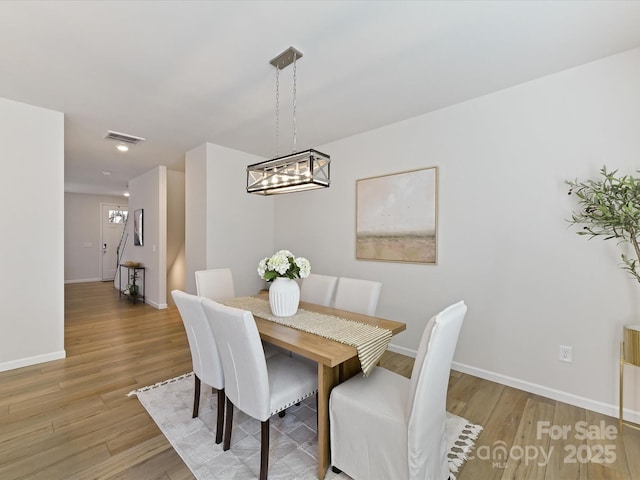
159	384
462	447
457	455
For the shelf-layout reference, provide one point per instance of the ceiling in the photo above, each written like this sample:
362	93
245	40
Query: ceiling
181	73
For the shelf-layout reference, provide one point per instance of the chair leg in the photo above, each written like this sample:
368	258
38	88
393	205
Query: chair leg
228	425
282	413
220	423
196	396
264	450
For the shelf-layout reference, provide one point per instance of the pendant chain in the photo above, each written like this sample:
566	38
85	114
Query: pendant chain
277	107
295	127
294	103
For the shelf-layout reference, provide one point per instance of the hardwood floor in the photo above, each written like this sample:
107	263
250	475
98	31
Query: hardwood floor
71	418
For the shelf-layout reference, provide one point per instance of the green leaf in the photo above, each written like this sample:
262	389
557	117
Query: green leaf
270	275
609	207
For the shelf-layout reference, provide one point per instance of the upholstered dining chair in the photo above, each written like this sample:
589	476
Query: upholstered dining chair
216	284
388	426
355	295
258	386
207	366
318	289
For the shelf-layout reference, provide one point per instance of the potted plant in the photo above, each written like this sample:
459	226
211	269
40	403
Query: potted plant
281	269
610	207
133	289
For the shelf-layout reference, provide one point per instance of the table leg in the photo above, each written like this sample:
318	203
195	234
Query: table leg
327	378
349	368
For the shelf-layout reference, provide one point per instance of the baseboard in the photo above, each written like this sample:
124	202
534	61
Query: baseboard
553	394
25	362
159	306
575	400
402	350
86	280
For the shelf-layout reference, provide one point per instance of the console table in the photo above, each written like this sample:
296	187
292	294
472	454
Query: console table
131	273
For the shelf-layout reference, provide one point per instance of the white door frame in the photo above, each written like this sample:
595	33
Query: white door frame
101	246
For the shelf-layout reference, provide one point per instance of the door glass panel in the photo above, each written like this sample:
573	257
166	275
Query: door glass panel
118	216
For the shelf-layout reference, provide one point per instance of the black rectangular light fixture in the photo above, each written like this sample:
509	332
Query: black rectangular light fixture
297	172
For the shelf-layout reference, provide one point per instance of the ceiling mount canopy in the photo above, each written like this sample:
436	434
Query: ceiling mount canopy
286	58
298	171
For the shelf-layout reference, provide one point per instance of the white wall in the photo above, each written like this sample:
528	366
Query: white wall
31	243
82	251
149	192
230	228
195	204
175	233
504	247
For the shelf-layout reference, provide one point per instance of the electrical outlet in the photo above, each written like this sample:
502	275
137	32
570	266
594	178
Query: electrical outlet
565	354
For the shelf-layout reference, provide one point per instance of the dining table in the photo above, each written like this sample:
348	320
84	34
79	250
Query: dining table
336	361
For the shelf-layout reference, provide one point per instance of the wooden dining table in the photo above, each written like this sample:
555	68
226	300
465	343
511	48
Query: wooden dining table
337	361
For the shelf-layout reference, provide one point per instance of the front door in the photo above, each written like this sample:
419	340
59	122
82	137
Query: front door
113	218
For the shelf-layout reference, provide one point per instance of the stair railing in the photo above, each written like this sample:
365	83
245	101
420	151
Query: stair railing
120	251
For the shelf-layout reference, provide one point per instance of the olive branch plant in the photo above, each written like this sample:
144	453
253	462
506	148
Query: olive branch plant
610	207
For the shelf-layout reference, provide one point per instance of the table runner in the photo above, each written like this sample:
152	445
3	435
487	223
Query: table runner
370	341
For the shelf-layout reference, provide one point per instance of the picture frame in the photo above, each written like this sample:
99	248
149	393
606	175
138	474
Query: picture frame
397	217
138	217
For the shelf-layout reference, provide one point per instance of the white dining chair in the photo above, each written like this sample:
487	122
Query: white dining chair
388	426
355	295
318	289
216	284
207	365
258	386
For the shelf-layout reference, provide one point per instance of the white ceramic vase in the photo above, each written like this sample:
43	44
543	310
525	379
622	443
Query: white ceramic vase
284	296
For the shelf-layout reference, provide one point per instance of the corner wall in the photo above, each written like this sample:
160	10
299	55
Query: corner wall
225	226
175	233
32	241
149	192
504	245
195	221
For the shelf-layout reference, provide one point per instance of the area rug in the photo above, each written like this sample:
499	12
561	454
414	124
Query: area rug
293	447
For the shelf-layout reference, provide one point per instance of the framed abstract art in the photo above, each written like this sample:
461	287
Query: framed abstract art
397	217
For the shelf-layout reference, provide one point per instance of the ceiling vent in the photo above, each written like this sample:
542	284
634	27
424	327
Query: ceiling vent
123	137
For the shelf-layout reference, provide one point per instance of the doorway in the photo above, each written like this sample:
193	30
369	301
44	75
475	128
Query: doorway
113	219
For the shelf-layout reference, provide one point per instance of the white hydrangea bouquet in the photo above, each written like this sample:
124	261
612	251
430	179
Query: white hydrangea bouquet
283	264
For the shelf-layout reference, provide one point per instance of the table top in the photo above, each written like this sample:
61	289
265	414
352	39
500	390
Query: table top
319	349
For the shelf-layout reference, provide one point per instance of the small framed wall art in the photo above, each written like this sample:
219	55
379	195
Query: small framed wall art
138	227
397	217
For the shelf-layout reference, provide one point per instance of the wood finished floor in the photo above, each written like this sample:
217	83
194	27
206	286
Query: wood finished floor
71	418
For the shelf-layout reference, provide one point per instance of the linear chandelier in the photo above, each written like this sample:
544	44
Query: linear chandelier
299	171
